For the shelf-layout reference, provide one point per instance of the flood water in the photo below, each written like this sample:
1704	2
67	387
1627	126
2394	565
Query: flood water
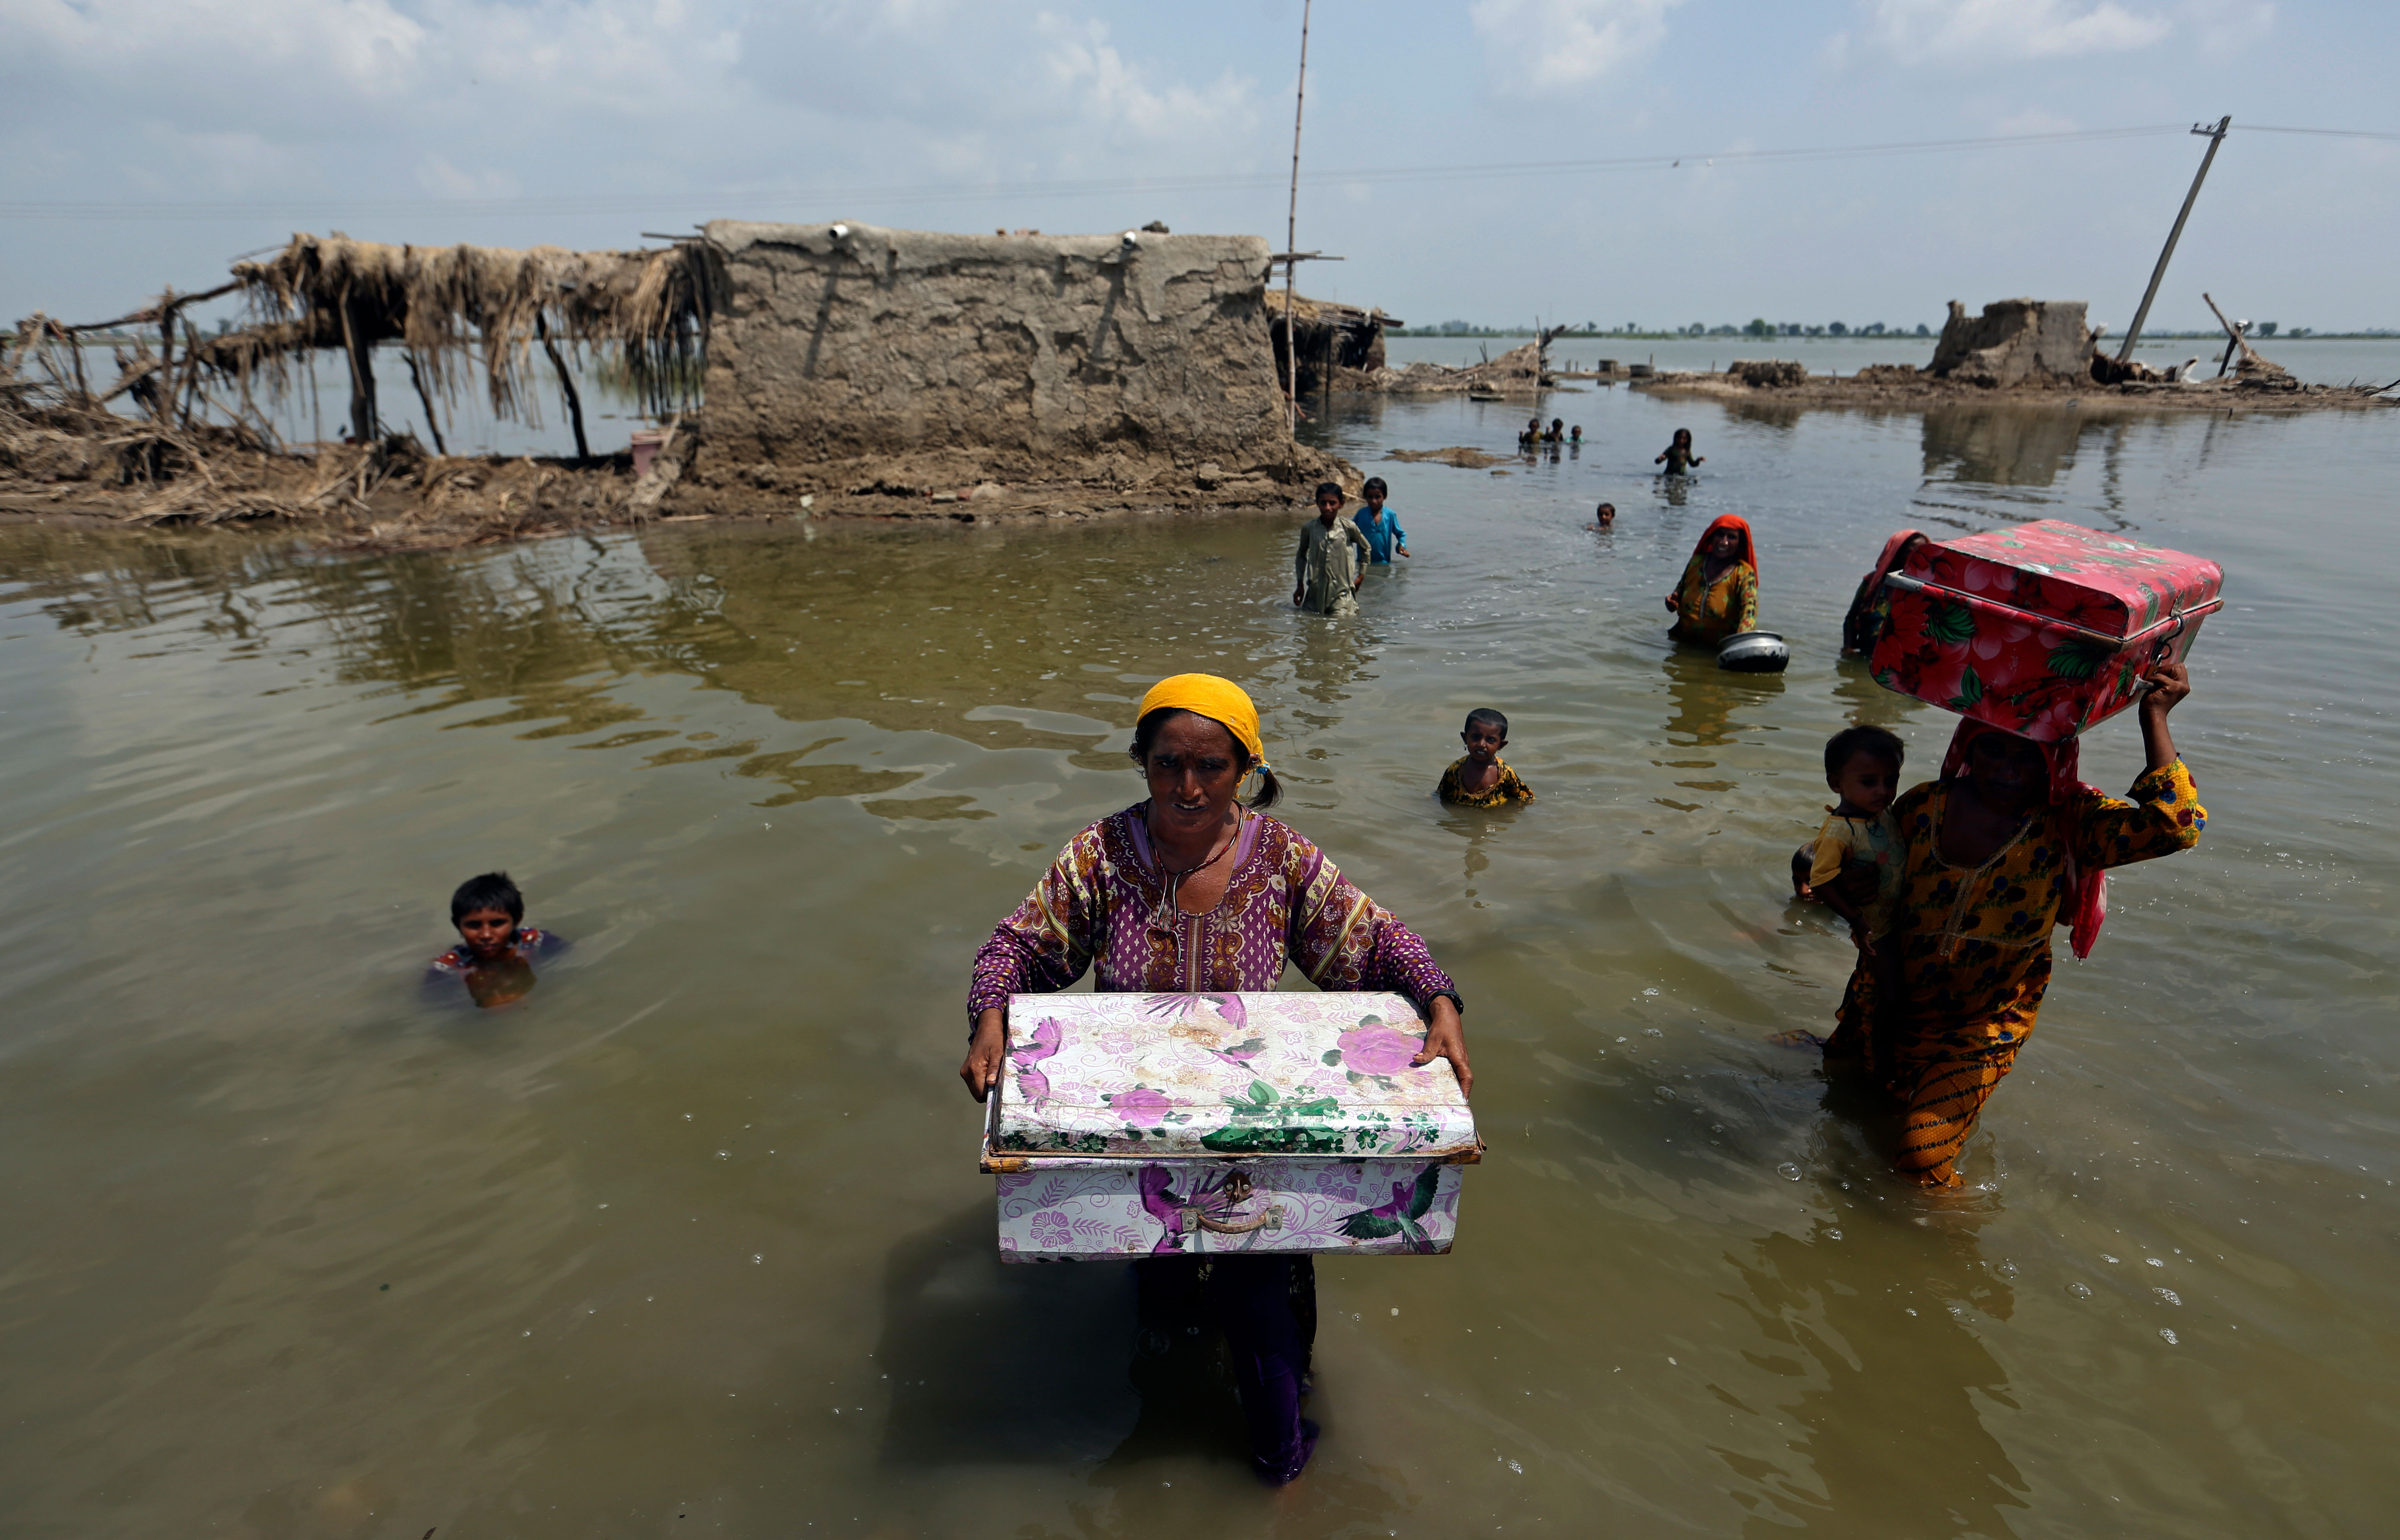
691	1239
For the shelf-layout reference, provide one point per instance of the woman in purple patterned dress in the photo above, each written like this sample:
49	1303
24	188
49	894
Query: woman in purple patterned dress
1192	890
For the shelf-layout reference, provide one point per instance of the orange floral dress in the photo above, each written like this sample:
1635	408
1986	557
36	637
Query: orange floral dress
1706	613
1974	950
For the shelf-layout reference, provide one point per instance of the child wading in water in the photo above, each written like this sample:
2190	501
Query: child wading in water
1380	524
1327	567
496	949
1480	780
1853	865
1677	456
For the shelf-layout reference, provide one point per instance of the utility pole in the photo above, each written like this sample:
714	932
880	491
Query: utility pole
1290	233
2214	136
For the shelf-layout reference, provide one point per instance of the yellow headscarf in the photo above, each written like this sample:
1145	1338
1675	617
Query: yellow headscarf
1220	701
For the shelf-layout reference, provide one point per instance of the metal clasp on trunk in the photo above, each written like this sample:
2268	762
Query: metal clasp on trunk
1237	1189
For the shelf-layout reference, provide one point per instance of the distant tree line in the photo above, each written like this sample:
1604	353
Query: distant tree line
1761	327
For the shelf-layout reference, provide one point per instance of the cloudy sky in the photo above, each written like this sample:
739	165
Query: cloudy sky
144	142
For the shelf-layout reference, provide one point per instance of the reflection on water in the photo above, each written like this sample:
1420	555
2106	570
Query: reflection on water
1827	1308
690	1233
2025	446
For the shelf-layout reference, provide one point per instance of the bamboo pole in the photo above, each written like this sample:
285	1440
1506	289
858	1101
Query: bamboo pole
1291	234
565	385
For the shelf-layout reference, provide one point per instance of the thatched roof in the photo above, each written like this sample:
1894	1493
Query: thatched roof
1308	312
443	302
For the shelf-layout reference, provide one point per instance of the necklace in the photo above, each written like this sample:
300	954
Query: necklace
1171	884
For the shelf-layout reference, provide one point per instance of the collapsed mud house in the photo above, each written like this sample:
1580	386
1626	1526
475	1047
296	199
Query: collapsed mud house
2036	351
826	368
871	369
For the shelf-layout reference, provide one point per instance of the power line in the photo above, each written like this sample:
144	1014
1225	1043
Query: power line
2330	133
766	199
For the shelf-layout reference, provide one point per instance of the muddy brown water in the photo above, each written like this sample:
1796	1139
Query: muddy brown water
691	1239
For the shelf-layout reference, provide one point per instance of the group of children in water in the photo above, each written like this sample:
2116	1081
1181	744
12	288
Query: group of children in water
1678	456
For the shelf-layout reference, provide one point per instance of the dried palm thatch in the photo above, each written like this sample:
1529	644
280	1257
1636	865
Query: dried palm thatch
1331	335
443	303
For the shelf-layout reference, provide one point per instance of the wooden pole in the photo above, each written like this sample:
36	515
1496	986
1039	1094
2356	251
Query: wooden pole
362	389
425	398
2249	354
2216	136
163	403
565	385
1291	234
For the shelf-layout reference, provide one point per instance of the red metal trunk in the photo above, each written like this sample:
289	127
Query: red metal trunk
2042	629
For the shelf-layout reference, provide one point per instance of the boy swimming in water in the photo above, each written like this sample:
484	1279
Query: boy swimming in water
496	948
1480	780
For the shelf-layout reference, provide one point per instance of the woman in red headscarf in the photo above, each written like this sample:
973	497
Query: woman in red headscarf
1996	853
1719	594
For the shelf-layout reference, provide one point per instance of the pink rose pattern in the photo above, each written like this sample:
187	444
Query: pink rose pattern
1141	1105
1985	653
1372	1048
1126	1078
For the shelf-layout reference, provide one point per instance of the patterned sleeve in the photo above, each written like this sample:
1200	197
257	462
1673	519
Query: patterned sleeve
1683	584
1517	788
1746	584
1342	939
1448	787
2160	816
1047	941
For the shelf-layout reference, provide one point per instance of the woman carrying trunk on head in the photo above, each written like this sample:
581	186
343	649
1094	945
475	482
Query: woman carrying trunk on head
1188	891
2008	842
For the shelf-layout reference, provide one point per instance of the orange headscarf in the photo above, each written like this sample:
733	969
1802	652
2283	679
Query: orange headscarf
1740	525
1220	699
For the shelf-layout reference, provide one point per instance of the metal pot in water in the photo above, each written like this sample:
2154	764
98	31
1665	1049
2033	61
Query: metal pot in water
1753	652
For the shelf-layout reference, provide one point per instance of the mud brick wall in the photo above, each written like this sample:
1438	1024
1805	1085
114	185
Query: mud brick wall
898	360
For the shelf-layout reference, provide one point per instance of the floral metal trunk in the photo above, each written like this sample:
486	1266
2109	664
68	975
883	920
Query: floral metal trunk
2042	629
1136	1126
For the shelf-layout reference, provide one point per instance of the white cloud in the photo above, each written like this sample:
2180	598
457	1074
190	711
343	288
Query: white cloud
1088	71
1548	46
365	44
1961	31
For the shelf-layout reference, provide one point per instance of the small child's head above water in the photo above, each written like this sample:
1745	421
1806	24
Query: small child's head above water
1863	765
1486	735
1374	492
488	911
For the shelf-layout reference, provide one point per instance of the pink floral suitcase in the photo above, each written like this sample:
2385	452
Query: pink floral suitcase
1137	1126
2043	629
